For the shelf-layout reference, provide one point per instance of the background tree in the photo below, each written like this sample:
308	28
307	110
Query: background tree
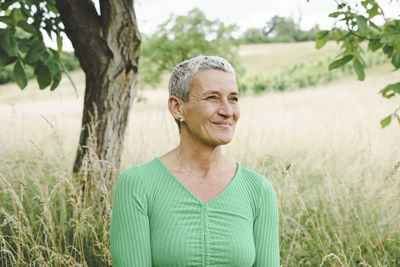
182	37
282	29
359	27
107	46
271	25
253	36
278	29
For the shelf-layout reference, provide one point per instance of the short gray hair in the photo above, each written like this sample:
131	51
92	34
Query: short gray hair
182	75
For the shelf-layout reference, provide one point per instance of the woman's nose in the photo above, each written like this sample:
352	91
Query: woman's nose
225	109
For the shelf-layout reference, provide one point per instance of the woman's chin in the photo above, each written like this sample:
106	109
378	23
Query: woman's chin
224	139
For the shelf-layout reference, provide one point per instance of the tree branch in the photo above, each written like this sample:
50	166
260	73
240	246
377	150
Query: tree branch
352	32
82	26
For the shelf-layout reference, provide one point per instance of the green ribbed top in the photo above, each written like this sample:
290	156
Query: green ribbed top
157	221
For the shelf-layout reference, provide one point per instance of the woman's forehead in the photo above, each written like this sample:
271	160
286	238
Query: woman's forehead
214	81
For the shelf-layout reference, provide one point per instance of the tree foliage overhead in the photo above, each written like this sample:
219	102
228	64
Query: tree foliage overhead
359	27
21	41
183	37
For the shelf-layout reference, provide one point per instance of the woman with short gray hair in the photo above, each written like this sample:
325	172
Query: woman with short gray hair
193	206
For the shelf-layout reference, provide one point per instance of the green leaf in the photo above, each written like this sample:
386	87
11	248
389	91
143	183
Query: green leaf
59	43
321	39
51	7
374	45
388	50
390	90
373	11
365	3
26	10
26	27
17	14
5	4
375	27
350	15
337	34
24	46
359	68
35	53
9	20
56	81
390	37
19	75
398	117
5	59
54	65
337	63
8	43
335	14
340	6
362	25
70	79
396	60
386	121
43	75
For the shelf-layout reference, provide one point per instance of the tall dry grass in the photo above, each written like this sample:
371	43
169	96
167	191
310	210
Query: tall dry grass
46	218
335	171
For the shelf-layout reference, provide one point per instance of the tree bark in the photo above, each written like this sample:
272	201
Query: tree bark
107	47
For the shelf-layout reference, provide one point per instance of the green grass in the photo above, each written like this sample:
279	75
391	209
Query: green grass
322	148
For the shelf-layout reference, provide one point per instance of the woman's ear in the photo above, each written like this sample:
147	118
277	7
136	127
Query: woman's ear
175	107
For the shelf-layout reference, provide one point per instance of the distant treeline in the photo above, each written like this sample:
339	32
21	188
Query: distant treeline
278	30
68	59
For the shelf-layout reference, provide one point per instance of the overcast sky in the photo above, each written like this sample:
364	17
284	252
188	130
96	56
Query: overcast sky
245	13
248	13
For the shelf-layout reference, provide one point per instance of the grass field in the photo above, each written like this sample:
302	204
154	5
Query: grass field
322	148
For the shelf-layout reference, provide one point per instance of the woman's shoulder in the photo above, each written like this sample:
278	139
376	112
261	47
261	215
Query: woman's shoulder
259	180
138	173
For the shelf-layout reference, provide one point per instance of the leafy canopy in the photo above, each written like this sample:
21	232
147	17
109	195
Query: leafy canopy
359	27
21	41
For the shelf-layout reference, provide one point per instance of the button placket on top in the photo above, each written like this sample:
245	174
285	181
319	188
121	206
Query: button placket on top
204	211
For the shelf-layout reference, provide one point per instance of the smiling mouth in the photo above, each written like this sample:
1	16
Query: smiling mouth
223	124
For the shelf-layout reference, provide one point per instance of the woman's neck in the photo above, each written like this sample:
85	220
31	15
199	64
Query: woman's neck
200	158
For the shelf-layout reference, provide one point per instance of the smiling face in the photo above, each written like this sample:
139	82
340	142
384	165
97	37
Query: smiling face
213	110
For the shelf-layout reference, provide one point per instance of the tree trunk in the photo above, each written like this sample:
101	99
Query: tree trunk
107	46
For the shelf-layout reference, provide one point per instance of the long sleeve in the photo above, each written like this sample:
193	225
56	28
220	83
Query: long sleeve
130	231
266	228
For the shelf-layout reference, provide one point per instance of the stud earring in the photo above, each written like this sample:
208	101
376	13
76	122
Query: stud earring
180	119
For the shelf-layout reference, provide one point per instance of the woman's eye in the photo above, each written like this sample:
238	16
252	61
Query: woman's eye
235	99
212	97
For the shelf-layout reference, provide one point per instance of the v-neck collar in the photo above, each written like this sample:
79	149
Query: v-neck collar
231	183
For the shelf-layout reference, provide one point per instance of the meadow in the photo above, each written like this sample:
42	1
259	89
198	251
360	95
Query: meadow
335	171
